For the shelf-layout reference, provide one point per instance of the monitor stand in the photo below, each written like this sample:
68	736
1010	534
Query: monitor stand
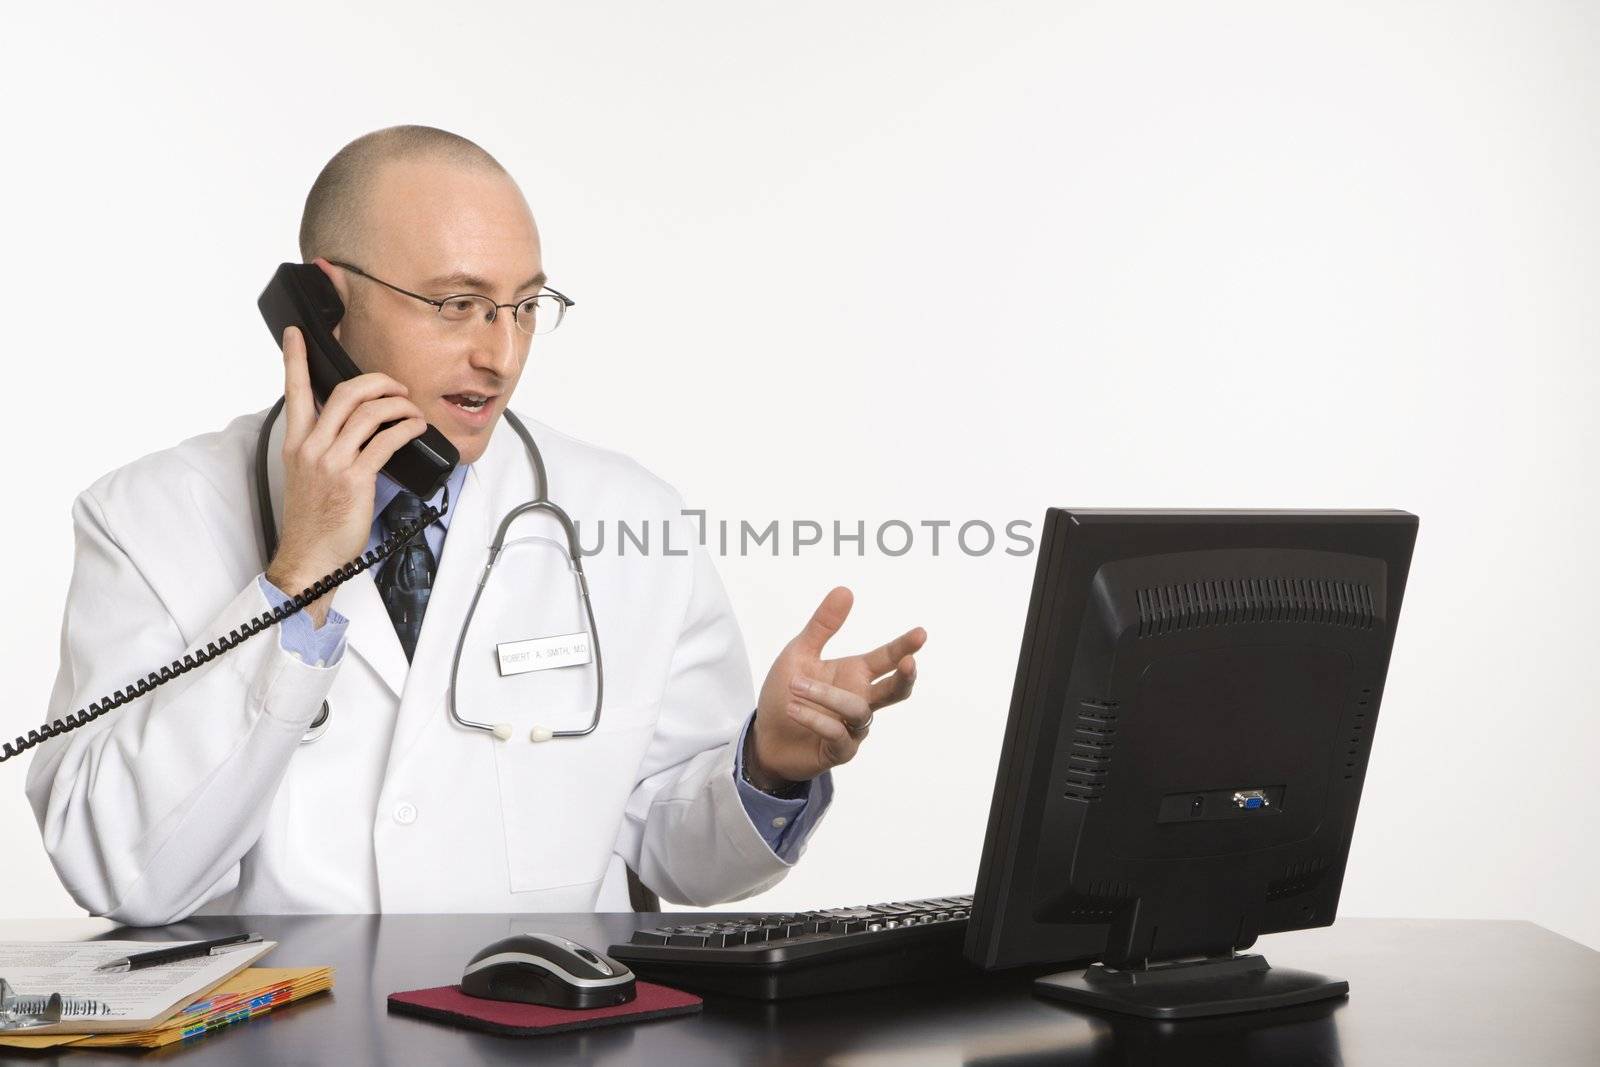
1189	989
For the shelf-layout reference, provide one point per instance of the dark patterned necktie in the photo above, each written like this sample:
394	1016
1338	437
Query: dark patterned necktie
406	577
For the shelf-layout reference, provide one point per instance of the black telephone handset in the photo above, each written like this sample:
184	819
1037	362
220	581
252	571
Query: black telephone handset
298	295
301	295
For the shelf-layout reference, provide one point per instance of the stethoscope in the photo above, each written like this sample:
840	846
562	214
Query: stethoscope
540	502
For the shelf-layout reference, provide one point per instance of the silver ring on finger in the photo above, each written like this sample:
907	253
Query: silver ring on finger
860	731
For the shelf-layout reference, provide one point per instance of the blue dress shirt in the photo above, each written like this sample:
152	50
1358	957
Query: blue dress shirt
783	823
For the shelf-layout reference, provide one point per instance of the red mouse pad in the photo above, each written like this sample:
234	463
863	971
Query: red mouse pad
447	1004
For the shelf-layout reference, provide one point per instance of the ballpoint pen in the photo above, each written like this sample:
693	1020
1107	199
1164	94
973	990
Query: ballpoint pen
140	960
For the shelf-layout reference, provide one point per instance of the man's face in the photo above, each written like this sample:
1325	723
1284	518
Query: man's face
425	222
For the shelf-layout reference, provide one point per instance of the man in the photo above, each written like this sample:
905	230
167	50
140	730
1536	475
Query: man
201	797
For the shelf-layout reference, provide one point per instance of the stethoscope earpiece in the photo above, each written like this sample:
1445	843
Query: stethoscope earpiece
502	730
540	733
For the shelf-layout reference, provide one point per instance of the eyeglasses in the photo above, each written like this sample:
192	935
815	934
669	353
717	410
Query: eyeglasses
535	315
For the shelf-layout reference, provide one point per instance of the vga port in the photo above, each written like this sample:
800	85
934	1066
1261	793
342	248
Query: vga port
1250	799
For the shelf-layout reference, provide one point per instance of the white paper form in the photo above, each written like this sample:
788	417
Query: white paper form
135	999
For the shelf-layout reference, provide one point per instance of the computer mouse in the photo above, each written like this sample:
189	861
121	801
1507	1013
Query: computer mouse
547	969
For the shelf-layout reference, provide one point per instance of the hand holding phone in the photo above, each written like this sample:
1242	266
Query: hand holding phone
301	295
331	461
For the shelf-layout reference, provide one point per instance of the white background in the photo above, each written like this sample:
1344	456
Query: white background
917	261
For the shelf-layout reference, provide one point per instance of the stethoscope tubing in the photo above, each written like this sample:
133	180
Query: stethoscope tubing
575	558
540	502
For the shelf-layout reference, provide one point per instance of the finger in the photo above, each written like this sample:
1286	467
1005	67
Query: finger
827	619
345	398
299	415
895	688
882	659
848	706
386	444
824	726
363	423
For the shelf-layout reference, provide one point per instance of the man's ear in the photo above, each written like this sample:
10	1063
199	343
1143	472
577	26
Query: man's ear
341	285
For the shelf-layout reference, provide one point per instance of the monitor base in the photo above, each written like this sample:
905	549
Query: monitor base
1190	989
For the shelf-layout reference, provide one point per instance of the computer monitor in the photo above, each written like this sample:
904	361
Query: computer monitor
1190	725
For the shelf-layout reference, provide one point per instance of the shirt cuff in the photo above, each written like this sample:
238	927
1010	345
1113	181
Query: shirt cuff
784	824
299	635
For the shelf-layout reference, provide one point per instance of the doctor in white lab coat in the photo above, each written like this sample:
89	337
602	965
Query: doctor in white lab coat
201	797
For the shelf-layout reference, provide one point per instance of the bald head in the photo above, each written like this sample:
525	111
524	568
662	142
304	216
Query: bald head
333	223
435	215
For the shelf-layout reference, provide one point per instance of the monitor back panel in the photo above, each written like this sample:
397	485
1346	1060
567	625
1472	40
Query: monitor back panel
1194	705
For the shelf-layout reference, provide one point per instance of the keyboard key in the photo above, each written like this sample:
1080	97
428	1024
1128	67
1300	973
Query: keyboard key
649	937
689	940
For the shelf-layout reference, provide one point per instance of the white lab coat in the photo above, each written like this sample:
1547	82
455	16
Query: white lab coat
200	797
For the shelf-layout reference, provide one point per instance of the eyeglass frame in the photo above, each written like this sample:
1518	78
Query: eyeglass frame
438	305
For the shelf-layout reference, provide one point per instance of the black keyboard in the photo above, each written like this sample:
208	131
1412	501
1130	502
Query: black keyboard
797	954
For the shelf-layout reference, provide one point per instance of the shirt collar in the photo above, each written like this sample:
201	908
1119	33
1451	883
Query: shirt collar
388	489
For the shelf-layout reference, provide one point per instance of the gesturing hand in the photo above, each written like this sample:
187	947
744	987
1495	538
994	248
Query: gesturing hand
813	713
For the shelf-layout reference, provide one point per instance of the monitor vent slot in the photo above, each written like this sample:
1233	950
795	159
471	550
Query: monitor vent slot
1360	733
1299	878
1094	733
1167	609
1103	903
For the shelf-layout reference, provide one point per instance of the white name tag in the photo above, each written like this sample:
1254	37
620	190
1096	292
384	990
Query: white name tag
542	653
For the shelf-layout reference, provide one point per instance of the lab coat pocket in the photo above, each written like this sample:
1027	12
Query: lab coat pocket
561	803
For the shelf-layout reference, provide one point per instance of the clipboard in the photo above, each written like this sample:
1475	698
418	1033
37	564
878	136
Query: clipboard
133	1000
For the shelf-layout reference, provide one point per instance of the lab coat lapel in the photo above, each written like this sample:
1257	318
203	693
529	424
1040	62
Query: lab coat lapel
371	634
466	550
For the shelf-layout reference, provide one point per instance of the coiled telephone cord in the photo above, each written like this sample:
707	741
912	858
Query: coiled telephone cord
213	649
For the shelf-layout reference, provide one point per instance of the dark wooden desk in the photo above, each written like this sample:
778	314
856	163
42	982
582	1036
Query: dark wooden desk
1421	992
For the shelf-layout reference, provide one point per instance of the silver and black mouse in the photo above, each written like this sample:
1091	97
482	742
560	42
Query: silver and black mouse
547	969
